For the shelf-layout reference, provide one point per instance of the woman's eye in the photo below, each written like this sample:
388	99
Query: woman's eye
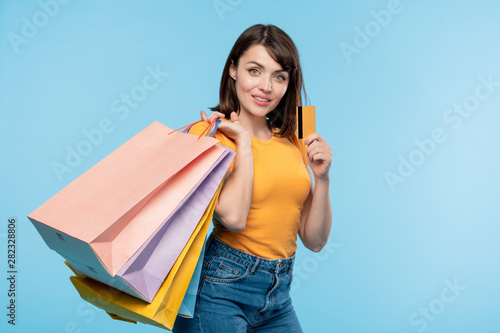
280	77
254	71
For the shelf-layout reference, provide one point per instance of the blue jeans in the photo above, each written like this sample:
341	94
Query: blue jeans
239	292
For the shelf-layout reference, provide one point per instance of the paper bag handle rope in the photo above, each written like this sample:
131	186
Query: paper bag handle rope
209	131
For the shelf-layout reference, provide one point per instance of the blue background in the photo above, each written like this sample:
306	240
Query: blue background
393	251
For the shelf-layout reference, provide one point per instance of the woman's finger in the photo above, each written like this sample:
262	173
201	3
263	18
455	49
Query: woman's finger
311	138
321	145
320	157
215	115
203	116
311	145
318	150
209	119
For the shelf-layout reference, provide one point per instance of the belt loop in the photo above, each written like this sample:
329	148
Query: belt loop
278	266
254	267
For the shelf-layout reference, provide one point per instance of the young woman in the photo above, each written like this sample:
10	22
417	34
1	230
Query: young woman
268	195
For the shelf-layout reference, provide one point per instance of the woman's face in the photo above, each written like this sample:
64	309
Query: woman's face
260	82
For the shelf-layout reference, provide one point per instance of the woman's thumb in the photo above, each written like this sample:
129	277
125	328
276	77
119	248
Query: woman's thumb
234	118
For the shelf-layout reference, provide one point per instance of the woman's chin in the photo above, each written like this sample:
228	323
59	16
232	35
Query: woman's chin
259	111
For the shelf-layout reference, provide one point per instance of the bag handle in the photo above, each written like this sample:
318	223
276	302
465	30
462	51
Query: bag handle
209	131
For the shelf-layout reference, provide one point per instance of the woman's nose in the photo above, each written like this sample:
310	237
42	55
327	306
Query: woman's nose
265	84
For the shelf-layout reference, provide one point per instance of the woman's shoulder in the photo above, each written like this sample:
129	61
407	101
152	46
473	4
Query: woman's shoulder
198	128
201	127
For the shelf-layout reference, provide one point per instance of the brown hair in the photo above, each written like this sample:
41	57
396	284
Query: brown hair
281	47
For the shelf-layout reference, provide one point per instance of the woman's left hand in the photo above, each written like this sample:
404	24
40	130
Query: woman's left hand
319	154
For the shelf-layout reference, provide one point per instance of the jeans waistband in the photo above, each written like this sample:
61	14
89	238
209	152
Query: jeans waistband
276	265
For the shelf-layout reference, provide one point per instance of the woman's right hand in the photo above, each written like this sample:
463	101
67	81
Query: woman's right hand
232	129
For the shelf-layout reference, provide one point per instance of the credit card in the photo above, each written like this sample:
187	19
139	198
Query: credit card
306	121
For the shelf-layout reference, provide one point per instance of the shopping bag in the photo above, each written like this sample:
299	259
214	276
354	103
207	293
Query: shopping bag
189	301
165	306
101	221
150	265
188	304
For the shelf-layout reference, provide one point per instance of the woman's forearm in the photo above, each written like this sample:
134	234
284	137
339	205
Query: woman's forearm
319	220
236	194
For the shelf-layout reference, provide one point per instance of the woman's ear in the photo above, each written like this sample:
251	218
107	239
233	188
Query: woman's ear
232	71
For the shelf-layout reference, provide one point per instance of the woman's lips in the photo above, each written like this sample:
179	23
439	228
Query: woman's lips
261	100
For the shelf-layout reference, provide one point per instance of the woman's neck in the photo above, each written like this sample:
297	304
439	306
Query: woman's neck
256	126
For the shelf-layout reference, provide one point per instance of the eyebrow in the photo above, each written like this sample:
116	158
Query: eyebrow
261	66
